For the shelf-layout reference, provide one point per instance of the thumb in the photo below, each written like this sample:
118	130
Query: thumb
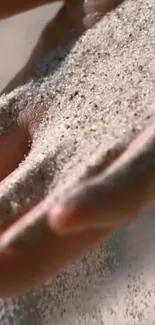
116	196
98	203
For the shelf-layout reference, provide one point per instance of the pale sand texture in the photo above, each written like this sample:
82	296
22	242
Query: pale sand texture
103	89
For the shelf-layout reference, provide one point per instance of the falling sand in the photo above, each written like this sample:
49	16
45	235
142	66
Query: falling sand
94	92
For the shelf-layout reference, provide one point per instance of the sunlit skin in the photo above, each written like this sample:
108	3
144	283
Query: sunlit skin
91	218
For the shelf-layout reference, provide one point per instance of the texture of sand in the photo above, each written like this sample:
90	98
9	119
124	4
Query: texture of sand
95	92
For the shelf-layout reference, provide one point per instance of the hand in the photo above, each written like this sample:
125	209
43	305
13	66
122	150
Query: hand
117	195
24	267
90	214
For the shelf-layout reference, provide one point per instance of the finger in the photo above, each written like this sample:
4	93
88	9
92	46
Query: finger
19	186
96	9
28	268
14	145
117	195
16	141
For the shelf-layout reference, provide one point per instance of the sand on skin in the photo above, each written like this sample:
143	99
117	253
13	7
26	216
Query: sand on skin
96	95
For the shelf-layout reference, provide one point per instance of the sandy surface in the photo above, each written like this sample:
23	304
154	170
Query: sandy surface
104	87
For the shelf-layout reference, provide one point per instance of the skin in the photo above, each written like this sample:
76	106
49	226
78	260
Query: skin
86	216
128	183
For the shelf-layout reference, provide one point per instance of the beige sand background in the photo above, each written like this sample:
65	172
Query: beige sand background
18	36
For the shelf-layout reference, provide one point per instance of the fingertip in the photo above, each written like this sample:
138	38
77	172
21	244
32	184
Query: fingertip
57	218
64	220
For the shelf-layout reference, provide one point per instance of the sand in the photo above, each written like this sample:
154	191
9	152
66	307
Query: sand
95	92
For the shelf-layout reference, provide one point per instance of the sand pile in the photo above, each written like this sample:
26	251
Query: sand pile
95	92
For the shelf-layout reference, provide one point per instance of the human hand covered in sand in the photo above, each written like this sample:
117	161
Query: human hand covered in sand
118	194
95	208
113	194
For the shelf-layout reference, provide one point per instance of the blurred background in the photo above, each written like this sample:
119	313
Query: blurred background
18	37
